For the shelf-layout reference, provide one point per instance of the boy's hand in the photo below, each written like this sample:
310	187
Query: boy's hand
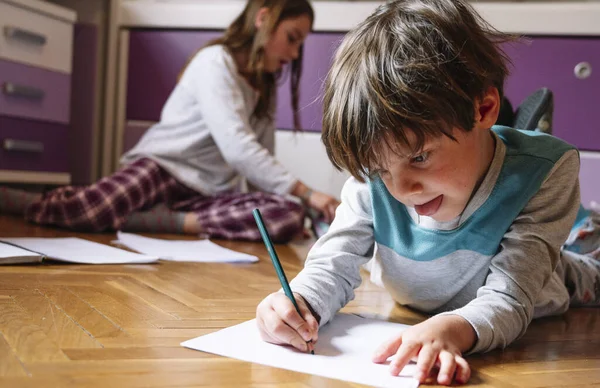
279	322
438	341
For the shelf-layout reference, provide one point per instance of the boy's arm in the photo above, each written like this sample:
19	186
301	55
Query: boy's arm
528	256
332	269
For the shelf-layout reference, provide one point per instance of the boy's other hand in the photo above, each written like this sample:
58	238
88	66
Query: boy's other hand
438	341
279	322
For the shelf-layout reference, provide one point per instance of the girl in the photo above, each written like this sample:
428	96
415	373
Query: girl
216	128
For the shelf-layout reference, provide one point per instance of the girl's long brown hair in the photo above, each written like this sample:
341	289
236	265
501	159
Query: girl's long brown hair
242	36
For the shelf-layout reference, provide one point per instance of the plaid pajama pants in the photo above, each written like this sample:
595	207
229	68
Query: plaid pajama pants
106	204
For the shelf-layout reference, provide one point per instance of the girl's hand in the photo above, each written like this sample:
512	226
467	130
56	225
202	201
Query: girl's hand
323	203
439	341
279	322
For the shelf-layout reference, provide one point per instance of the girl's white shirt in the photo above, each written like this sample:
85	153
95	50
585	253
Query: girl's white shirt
207	136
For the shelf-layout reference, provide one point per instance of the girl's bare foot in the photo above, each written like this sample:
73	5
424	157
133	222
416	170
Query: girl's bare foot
16	201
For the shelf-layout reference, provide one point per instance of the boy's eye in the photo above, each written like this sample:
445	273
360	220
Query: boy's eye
421	158
291	39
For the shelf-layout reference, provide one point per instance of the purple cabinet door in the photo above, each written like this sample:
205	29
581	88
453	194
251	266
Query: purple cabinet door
29	145
551	62
155	61
35	93
319	49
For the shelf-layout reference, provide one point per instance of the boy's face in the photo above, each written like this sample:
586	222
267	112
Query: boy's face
439	181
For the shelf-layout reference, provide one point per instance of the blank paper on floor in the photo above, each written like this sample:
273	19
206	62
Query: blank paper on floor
183	250
10	254
77	250
343	351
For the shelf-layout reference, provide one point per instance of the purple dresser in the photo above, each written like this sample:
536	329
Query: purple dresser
32	145
34	117
35	93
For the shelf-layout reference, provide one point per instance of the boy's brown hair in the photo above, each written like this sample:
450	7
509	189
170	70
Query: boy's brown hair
415	65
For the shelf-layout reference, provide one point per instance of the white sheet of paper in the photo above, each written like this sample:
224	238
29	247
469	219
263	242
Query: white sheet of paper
77	250
10	254
183	250
343	351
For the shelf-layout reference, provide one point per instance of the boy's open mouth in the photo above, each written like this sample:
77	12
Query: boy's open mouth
429	208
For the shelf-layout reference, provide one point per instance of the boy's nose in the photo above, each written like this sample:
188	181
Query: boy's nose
406	187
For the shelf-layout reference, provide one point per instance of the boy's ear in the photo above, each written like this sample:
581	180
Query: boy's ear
261	17
487	109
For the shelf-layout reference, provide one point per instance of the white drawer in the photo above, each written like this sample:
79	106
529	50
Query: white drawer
34	37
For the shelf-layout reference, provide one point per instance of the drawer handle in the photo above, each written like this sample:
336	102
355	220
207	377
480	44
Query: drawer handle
30	92
23	145
583	70
27	36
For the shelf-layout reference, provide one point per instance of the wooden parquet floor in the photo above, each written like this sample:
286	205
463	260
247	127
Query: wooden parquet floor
64	325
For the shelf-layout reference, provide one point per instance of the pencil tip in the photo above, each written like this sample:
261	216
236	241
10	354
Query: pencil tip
312	352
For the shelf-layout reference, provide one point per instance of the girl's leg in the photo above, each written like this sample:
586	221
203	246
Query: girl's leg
580	264
585	236
582	278
107	203
229	216
16	201
159	219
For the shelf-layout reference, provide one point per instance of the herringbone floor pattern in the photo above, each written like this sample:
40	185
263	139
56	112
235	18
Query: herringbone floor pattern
65	325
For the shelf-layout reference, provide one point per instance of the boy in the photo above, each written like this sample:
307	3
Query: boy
460	221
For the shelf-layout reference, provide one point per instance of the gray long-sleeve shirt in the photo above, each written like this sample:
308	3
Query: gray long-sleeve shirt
207	137
495	265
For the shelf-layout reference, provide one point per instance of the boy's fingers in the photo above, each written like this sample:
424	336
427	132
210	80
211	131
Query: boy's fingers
266	334
309	318
315	329
264	310
280	333
300	344
447	368
463	370
262	329
312	325
285	309
403	356
427	358
387	349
